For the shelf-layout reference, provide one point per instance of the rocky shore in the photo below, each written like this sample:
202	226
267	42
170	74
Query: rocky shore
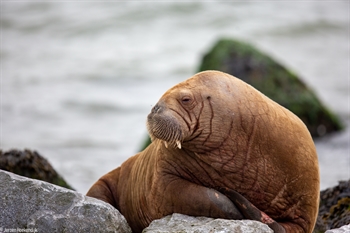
31	205
36	204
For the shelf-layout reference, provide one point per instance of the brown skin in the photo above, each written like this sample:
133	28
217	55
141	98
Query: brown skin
242	156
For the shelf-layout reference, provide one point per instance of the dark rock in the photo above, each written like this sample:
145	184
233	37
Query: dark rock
30	164
339	214
275	81
187	224
320	227
334	210
39	206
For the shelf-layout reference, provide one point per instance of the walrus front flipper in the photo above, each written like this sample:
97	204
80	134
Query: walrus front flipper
188	198
250	211
105	188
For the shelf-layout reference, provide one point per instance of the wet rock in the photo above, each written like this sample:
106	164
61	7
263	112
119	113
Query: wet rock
188	224
42	207
320	227
334	210
275	81
31	164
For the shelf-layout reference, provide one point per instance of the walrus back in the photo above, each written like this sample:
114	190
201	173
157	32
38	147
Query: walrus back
286	140
275	161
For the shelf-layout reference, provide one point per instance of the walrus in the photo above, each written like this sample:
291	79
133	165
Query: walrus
220	149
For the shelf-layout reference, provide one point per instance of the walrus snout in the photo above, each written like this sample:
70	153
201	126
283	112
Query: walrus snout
162	124
157	108
155	112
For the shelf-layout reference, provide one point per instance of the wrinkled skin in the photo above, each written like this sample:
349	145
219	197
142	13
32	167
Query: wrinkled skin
220	149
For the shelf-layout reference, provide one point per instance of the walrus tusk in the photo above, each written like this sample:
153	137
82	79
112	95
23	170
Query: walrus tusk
165	144
178	143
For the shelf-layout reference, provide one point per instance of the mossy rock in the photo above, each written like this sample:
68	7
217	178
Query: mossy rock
275	81
32	165
339	214
334	209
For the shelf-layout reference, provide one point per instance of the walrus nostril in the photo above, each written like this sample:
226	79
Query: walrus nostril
156	109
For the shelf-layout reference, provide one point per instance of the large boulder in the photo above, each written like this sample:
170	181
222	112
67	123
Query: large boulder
187	224
31	164
274	80
38	206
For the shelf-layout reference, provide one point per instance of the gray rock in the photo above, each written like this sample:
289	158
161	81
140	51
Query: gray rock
42	207
343	229
187	224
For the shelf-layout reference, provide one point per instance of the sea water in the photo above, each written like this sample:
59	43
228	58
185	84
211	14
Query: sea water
78	78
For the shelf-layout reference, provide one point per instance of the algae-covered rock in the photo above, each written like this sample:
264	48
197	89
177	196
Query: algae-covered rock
29	205
275	81
31	164
187	224
334	210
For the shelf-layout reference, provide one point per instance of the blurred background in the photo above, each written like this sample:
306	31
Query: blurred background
78	78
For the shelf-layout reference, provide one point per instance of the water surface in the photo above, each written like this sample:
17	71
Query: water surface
78	78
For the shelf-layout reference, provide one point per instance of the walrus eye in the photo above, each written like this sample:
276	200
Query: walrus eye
186	100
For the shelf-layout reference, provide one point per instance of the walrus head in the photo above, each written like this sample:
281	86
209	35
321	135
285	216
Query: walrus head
167	120
195	113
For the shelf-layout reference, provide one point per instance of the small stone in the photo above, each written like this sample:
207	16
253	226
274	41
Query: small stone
343	229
